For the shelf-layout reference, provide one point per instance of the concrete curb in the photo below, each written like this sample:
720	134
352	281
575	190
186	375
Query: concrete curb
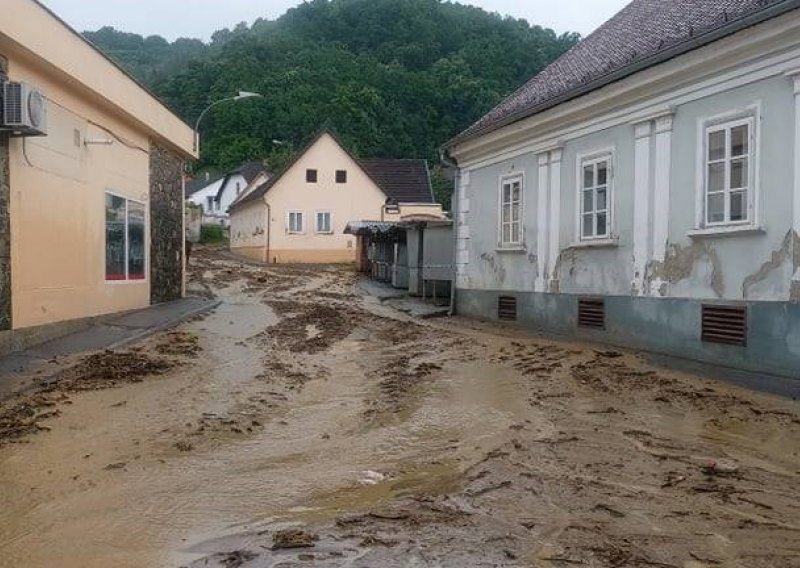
166	325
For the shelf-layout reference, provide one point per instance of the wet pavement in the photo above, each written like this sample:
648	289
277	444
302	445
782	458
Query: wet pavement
303	424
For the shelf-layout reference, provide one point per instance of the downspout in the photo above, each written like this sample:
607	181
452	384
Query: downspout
268	228
448	161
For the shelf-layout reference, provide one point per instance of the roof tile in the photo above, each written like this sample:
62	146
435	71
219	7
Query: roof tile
639	33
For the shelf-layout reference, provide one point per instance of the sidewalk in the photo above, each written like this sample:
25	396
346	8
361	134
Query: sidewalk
400	300
111	332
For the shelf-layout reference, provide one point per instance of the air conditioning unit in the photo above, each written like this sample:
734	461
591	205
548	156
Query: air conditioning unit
24	110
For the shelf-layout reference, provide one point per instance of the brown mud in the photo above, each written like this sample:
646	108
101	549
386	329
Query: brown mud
301	424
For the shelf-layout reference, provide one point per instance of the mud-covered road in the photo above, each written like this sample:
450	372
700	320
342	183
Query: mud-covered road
301	424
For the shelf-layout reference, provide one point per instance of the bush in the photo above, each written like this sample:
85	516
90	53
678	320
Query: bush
212	234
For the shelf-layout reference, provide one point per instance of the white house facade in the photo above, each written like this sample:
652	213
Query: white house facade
216	194
644	190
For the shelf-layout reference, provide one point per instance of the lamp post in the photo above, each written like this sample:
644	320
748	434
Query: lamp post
242	95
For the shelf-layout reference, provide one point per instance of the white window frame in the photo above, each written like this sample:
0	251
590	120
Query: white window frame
128	281
302	228
505	180
209	204
592	159
316	222
751	117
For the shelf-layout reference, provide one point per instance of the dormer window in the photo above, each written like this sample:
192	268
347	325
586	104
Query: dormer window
311	176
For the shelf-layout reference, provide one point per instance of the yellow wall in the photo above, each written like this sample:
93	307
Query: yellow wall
30	29
248	231
58	204
357	199
410	210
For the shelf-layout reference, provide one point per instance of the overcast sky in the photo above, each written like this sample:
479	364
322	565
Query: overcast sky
201	18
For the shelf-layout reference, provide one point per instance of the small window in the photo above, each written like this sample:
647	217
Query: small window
295	224
324	222
209	204
126	241
595	197
729	173
311	176
238	188
511	211
341	176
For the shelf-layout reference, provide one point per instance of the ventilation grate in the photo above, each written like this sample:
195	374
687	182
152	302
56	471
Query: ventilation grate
507	308
592	313
725	324
12	107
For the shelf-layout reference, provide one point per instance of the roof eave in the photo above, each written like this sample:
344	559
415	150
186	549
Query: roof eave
635	67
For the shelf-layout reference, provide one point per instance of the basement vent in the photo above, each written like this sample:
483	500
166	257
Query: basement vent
507	308
591	313
725	324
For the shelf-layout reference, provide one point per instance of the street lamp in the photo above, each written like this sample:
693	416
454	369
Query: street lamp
242	95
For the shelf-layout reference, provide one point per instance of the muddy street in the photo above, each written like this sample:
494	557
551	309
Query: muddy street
302	423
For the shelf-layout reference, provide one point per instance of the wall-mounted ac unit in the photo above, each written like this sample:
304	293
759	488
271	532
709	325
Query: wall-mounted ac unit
24	110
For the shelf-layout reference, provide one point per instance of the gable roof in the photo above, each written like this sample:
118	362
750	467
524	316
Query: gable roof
195	185
643	34
251	170
405	181
408	180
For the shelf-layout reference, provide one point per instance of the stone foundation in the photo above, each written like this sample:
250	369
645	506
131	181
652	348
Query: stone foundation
166	225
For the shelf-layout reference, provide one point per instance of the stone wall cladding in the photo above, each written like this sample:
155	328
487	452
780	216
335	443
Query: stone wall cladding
166	225
5	225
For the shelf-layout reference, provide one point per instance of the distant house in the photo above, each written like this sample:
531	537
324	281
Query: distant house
300	214
644	189
91	182
216	194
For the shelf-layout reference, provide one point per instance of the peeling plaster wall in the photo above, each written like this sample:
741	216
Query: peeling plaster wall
755	266
748	267
598	270
166	225
489	268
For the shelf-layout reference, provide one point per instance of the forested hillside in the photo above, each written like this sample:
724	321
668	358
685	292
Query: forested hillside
395	78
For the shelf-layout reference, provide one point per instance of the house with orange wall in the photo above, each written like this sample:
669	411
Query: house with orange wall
91	201
300	215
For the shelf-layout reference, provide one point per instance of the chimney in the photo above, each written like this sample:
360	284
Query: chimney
208	176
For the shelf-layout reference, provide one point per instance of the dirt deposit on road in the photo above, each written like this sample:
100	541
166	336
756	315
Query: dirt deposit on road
302	424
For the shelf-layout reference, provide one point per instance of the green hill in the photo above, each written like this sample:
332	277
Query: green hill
395	78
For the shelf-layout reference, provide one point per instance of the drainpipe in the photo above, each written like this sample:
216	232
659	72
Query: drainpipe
267	228
448	161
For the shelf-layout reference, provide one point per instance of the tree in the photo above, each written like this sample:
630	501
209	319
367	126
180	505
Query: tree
394	78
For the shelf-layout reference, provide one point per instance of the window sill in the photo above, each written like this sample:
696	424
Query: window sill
596	243
520	249
726	231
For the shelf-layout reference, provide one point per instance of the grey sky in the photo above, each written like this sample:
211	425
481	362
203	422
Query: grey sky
200	18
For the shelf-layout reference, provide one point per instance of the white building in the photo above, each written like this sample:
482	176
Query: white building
216	194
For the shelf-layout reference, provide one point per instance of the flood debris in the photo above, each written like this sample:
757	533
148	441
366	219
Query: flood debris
293	538
386	441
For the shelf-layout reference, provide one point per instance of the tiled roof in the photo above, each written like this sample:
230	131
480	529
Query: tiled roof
405	181
251	170
401	180
644	33
197	184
